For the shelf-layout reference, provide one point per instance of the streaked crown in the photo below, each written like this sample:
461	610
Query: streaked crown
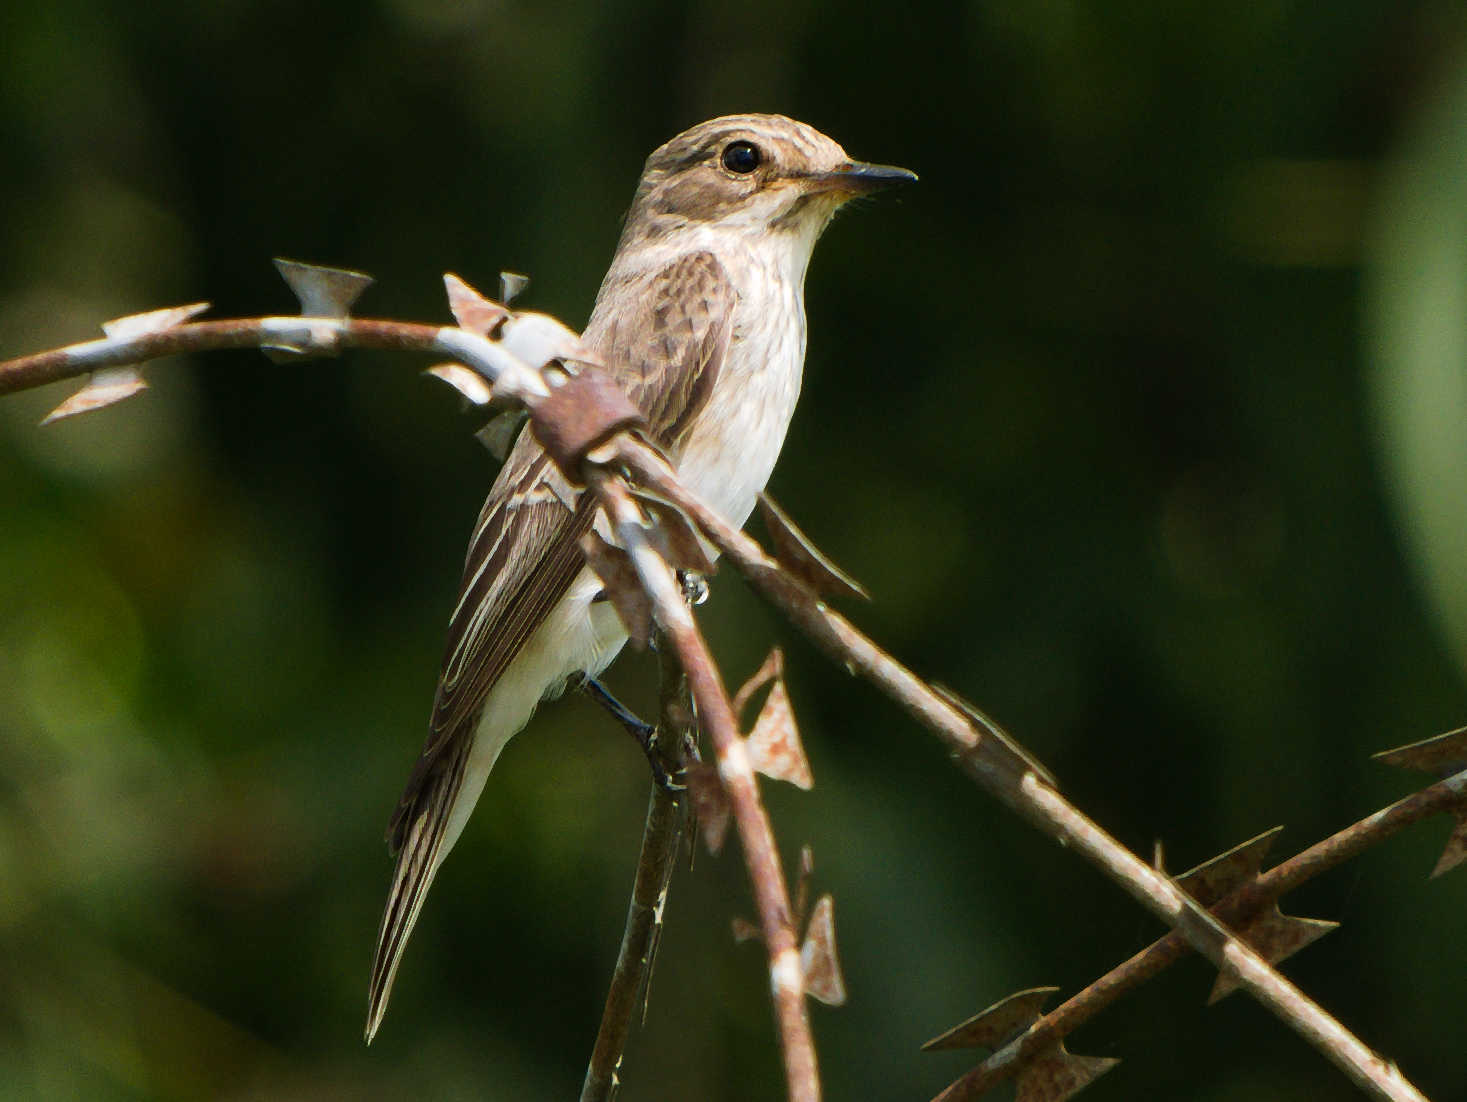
752	172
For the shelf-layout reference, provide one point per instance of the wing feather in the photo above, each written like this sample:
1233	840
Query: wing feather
664	335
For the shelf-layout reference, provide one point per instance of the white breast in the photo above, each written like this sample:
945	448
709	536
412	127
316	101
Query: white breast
732	447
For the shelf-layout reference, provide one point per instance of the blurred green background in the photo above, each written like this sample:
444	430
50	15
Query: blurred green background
1141	416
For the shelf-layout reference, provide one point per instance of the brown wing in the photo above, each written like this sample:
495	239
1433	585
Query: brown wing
665	345
663	334
668	357
522	558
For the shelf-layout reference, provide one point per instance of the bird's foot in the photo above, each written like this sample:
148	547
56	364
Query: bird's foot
645	733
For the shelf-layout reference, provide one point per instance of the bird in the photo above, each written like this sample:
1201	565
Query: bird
701	320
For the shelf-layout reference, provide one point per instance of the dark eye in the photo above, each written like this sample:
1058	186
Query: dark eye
741	157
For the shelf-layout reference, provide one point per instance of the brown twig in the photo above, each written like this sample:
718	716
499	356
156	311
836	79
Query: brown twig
513	361
667	817
982	751
308	336
1235	909
979	747
716	718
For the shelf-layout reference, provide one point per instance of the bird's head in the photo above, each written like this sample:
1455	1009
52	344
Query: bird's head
755	174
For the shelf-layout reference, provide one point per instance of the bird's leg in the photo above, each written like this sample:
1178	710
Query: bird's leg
644	732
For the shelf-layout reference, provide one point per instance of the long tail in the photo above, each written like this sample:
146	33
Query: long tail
417	864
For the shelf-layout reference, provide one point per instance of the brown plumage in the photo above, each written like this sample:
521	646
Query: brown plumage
701	321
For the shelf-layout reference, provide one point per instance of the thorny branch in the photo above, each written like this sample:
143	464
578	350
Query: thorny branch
716	718
986	754
1257	892
528	358
667	817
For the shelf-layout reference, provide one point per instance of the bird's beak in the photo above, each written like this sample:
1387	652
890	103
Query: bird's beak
860	178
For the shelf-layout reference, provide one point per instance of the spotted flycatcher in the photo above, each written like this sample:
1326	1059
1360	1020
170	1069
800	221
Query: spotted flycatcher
701	319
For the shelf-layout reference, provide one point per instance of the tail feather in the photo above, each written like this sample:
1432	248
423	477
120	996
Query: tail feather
417	864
